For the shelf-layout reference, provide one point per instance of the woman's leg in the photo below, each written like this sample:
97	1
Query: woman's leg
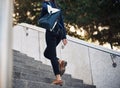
62	63
50	53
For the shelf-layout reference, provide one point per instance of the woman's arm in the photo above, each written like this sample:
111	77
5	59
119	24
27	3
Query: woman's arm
61	23
44	9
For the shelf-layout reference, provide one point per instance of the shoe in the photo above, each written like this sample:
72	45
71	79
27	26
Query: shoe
62	65
58	82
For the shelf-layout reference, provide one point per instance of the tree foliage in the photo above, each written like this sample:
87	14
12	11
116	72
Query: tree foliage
88	14
26	11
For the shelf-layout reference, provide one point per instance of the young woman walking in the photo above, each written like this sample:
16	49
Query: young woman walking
52	40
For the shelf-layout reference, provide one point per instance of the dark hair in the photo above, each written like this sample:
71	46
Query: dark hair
53	0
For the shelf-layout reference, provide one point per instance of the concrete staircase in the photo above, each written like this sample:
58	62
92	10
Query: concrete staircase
29	73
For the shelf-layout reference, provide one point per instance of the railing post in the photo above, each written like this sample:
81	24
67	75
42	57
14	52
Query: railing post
6	11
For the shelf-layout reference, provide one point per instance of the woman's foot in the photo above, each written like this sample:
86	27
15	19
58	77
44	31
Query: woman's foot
62	65
58	82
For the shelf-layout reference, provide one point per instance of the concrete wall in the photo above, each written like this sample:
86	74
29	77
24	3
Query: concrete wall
86	61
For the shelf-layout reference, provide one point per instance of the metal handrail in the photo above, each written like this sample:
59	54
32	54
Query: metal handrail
106	50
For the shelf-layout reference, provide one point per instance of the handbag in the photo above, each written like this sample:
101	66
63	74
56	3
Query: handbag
49	21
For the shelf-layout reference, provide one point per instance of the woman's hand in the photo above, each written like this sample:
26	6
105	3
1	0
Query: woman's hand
64	41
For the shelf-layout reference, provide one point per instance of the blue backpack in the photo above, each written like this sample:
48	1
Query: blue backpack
49	21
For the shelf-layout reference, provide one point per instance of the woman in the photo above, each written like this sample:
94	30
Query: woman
52	40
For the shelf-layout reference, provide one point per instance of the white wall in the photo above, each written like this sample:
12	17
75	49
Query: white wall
104	75
86	61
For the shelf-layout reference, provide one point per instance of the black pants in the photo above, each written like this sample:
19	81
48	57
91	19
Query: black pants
52	40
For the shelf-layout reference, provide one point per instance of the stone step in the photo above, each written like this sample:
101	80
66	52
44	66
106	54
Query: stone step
22	55
37	64
20	75
36	68
29	73
23	58
89	86
32	66
77	80
21	83
40	72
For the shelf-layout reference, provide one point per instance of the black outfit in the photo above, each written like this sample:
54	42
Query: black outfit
53	38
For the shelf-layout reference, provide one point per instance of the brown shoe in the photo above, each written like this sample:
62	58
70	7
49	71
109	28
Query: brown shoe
58	82
63	64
